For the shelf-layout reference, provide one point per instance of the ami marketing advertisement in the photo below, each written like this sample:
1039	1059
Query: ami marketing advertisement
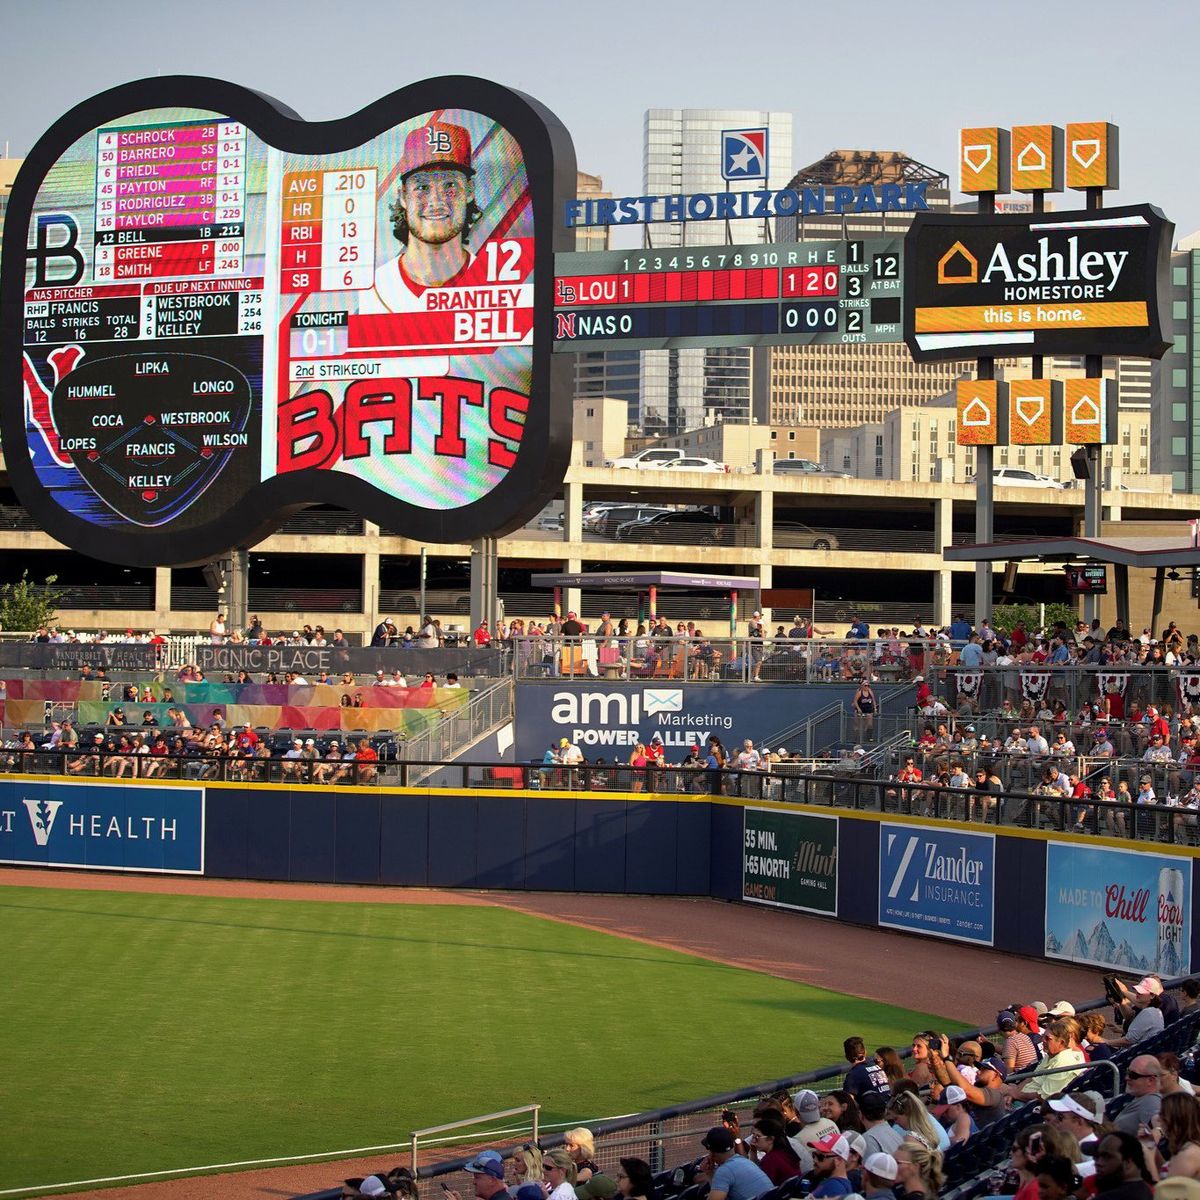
1118	908
937	881
100	826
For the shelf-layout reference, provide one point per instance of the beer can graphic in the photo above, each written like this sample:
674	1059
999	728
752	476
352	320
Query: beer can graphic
1169	955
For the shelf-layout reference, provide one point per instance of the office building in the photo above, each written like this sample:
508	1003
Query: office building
685	389
1176	433
845	386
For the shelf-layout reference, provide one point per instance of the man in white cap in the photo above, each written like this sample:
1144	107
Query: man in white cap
879	1177
830	1155
1080	1114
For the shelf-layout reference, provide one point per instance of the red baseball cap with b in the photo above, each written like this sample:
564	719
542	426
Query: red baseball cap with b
437	144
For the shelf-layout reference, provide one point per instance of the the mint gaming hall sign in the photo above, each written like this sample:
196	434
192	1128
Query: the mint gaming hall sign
738	206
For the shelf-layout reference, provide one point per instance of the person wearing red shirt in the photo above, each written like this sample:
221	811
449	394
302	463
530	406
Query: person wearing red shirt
427	682
482	636
366	756
246	739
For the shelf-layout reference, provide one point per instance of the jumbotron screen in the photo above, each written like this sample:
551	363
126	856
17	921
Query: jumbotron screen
221	319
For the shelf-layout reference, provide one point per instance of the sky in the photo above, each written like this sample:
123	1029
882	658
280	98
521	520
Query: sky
859	74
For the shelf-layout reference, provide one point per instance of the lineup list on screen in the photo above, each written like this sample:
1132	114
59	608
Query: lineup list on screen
797	293
205	311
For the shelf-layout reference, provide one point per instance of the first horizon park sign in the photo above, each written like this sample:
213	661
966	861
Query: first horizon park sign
755	204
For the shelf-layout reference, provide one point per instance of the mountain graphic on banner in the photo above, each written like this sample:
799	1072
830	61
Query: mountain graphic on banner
1101	947
1168	961
1126	956
1053	945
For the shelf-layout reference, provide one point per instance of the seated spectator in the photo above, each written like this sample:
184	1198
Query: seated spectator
918	1172
635	1179
1170	1081
830	1169
1142	1084
776	1156
956	1116
367	758
863	1076
880	1172
1079	1115
841	1108
909	1114
984	1094
581	1146
1121	1172
731	1176
879	1136
1057	1039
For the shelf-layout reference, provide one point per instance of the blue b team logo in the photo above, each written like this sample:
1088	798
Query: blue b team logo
743	154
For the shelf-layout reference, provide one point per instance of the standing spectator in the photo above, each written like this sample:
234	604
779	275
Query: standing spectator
733	1177
216	630
863	1076
1142	1083
865	707
482	635
887	1058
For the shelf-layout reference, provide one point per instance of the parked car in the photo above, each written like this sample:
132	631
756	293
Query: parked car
652	458
690	525
709	465
1019	477
795	535
805	466
620	514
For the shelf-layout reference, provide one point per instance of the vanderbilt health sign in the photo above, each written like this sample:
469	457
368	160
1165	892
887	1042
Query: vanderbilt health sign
102	826
937	881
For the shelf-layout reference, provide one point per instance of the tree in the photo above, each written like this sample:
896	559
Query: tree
26	606
1005	616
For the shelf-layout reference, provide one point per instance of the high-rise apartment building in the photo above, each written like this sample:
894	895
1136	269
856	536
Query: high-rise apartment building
684	389
833	387
1176	433
603	373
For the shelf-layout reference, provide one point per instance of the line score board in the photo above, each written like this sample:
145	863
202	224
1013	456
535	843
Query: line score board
804	293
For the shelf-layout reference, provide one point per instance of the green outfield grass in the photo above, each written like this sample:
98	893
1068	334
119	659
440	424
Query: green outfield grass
145	1033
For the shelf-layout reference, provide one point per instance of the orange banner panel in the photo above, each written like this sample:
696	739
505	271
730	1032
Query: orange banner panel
1085	409
1030	407
1091	155
983	160
1036	158
978	405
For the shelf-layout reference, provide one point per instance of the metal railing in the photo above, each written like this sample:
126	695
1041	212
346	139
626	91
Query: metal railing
457	729
534	1111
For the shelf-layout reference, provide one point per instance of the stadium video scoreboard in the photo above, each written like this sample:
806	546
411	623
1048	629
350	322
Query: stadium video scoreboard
803	293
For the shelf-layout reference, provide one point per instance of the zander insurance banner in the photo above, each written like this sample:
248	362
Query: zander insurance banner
937	881
102	826
1118	908
789	859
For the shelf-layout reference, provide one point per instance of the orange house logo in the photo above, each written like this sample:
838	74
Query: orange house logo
958	265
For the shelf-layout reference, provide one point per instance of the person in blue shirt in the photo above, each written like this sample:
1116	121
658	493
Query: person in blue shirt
960	629
733	1177
971	655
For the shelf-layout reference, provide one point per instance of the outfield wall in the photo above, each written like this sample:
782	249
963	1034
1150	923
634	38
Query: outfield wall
1085	899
